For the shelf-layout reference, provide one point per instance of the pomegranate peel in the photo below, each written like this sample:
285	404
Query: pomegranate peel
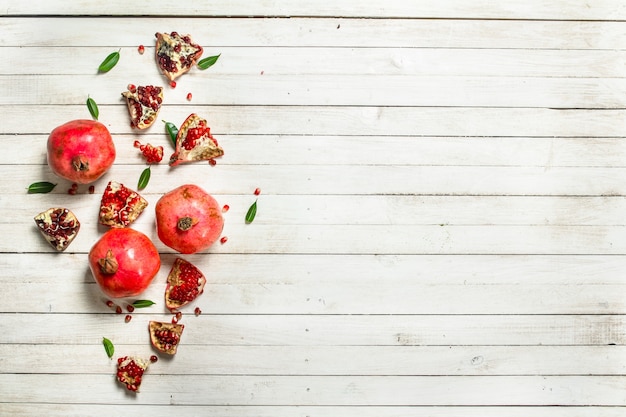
165	337
185	283
59	226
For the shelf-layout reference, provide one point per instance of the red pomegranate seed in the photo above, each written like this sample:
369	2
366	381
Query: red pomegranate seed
71	191
257	191
118	310
75	186
141	49
189	96
92	189
132	88
128	318
225	208
109	303
130	308
173	84
224	239
153	358
197	311
212	162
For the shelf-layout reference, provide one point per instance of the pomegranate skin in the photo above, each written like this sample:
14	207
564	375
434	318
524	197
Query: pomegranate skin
204	214
80	151
137	259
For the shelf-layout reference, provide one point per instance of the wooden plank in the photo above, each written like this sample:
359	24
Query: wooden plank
481	9
324	330
129	32
332	361
340	90
340	390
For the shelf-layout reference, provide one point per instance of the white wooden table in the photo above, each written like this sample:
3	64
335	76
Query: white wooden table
441	229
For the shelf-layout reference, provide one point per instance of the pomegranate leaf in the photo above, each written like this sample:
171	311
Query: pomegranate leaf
142	303
93	108
109	62
144	178
41	187
208	62
172	130
251	214
108	347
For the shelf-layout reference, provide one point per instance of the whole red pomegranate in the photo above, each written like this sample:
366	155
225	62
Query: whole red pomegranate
80	151
188	219
124	262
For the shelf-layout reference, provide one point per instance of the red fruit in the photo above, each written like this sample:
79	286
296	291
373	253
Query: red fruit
188	219
141	49
185	283
120	206
130	371
165	337
80	151
124	262
176	54
59	226
152	154
144	103
194	142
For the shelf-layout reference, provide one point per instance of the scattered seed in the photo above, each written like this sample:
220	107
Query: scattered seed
154	358
130	308
71	191
118	310
173	84
224	239
225	208
197	311
92	189
257	191
189	96
212	162
109	303
141	49
128	318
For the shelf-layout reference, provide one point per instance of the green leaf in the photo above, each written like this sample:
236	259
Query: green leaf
108	347
142	303
41	187
144	178
109	62
251	214
172	130
93	108
208	62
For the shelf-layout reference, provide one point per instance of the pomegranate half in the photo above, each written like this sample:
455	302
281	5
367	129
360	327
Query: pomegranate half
80	151
124	262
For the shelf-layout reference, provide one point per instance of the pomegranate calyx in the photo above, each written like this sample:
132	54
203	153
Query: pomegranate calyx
80	163
108	264
186	223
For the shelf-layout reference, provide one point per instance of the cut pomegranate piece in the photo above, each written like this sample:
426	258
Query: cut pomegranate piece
176	54
130	371
194	142
165	337
120	206
59	226
144	103
185	283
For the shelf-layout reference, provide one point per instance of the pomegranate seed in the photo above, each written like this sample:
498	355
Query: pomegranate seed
153	358
189	96
141	49
224	239
132	88
179	315
92	189
75	186
118	310
173	84
109	303
257	191
130	308
174	320
71	191
212	162
128	318
225	208
197	311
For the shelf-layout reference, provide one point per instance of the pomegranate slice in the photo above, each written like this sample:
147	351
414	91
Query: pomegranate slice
120	206
185	283
194	142
176	54
165	336
59	226
144	103
130	371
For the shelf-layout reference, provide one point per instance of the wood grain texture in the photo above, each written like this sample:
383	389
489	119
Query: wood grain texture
440	232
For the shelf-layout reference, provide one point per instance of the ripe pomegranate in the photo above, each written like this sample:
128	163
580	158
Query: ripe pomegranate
124	262
188	219
80	151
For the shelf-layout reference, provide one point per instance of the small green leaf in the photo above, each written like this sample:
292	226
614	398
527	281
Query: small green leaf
172	130
108	347
93	108
144	178
208	62
251	213
41	187
109	62
142	303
